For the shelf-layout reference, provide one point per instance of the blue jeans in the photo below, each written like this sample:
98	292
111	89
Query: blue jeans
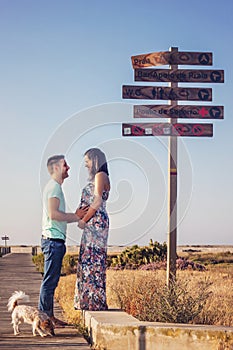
53	255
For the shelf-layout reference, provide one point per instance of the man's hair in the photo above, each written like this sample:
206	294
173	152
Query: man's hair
54	160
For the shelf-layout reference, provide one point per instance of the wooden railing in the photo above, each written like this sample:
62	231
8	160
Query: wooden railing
5	250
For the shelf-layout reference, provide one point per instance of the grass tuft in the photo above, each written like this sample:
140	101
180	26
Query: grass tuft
198	297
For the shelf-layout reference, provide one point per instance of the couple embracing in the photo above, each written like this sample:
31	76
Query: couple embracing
92	218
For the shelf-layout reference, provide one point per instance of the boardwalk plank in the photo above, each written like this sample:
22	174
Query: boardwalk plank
17	272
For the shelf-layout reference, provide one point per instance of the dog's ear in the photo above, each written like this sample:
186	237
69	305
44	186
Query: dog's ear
44	324
48	326
51	327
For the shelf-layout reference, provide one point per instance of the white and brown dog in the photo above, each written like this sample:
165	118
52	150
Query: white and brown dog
28	314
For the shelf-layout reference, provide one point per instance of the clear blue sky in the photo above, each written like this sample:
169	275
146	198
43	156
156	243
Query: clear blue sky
62	57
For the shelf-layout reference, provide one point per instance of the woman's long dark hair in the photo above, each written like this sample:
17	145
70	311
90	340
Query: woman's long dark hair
99	162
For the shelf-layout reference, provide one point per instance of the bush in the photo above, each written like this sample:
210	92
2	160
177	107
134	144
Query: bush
144	293
145	296
135	256
181	264
64	294
211	258
38	260
185	264
160	265
69	263
178	304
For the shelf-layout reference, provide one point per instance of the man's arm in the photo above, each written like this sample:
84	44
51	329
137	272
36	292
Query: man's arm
56	214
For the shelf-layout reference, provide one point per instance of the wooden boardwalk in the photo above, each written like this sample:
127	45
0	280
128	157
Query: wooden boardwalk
17	272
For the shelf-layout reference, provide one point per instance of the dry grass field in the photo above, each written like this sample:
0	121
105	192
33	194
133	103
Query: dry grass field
206	295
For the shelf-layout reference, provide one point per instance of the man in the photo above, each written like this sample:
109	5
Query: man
54	224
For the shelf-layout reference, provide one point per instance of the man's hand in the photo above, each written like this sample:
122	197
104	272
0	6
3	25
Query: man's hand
81	224
80	212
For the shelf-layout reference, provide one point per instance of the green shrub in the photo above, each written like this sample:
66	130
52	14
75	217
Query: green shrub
68	264
135	256
38	260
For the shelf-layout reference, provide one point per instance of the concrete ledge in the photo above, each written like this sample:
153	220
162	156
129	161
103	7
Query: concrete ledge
116	330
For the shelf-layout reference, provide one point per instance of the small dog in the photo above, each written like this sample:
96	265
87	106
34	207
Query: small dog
28	314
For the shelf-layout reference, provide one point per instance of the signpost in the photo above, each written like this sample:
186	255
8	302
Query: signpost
179	75
5	238
166	93
179	111
172	191
172	57
167	129
173	111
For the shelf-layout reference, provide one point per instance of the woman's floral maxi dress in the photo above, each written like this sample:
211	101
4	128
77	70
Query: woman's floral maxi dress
90	290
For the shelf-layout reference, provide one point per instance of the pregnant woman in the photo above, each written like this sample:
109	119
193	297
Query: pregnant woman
90	290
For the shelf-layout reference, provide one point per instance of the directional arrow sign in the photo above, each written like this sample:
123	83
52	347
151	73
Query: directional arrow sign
167	129
180	111
167	57
166	93
179	75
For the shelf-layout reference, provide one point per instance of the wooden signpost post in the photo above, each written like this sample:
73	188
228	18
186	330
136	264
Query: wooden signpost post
173	111
5	238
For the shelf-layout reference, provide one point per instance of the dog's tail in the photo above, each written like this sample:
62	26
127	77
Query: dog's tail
13	300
